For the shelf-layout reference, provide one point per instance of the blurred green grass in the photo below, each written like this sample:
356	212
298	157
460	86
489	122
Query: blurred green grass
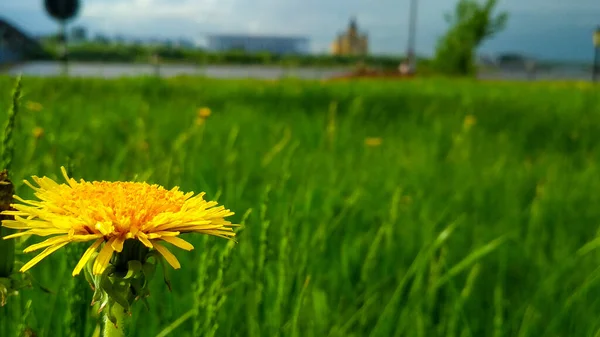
442	230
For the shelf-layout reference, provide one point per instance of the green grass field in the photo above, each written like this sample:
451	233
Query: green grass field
441	230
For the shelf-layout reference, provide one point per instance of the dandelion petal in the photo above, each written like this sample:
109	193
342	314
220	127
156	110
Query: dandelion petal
103	257
171	259
86	256
42	255
177	242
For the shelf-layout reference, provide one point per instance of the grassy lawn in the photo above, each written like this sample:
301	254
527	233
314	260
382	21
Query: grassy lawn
416	208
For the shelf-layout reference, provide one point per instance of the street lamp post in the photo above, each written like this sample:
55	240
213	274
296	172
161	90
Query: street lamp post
412	27
596	65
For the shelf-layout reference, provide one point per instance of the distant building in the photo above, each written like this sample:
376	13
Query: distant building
351	42
279	45
15	45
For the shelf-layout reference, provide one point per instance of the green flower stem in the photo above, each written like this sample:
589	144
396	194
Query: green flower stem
123	322
7	247
7	253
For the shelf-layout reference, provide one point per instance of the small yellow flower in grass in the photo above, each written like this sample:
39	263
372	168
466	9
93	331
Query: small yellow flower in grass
38	132
143	146
583	85
373	141
33	106
203	113
111	212
469	122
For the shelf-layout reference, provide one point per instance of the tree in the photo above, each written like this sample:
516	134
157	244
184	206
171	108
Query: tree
471	23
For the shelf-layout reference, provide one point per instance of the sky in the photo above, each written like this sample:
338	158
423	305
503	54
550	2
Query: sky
546	29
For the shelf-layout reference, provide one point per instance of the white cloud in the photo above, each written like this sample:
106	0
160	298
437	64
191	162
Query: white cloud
128	11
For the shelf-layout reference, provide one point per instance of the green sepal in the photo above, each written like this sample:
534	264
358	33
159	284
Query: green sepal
114	289
133	269
161	260
125	280
87	272
149	268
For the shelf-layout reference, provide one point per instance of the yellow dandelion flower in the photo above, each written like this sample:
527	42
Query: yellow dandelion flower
373	141
469	121
33	106
144	146
581	85
204	112
109	213
38	132
407	199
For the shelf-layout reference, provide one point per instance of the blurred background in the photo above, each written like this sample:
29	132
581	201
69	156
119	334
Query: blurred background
270	39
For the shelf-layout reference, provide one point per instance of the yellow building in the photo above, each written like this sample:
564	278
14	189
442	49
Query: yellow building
351	42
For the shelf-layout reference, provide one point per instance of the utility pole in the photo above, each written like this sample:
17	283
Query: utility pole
595	65
412	28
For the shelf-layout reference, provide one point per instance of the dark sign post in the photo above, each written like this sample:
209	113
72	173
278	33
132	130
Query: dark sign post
596	65
62	11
